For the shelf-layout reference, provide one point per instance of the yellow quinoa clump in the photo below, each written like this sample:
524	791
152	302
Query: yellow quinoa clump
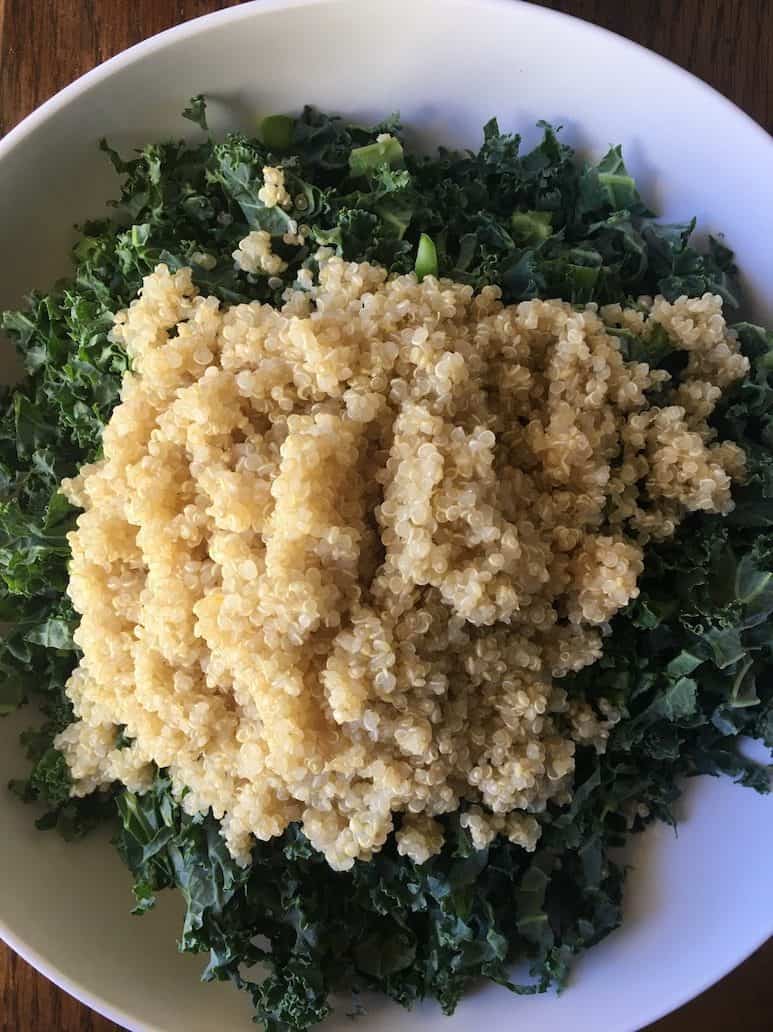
273	193
254	255
337	557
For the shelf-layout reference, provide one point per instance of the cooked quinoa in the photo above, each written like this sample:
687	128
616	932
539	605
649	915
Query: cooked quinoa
337	557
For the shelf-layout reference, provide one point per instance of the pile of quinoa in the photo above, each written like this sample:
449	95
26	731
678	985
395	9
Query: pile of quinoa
337	557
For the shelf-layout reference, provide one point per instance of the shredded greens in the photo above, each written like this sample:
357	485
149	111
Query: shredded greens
688	663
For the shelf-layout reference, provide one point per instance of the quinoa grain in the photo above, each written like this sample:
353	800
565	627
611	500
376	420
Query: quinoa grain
337	557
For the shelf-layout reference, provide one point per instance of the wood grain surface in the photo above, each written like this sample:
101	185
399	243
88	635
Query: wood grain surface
44	44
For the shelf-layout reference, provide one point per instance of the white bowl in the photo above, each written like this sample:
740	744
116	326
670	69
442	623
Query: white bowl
697	905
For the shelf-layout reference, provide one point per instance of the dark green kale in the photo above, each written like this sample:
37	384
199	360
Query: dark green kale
688	663
409	931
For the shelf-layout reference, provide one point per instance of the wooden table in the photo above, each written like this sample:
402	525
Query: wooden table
44	44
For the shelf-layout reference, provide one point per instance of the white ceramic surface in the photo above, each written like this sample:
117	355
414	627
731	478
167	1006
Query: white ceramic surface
697	905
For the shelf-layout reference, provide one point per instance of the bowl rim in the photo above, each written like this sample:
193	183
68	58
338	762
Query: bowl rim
245	11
